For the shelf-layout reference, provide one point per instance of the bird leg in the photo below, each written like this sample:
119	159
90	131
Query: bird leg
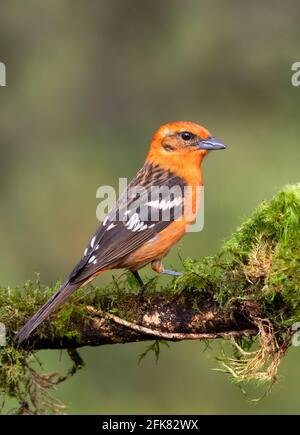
158	267
140	281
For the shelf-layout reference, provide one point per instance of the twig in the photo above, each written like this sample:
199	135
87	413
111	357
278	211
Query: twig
171	335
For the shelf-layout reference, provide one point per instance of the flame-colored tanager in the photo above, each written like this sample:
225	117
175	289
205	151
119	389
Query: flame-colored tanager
175	156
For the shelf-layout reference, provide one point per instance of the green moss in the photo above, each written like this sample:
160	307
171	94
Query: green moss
153	348
261	261
258	268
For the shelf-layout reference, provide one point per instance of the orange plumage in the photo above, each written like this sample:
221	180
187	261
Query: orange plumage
173	161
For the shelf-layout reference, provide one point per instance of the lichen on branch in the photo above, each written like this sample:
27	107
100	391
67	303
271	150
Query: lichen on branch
248	292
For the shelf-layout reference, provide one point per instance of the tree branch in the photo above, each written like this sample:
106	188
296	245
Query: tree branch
161	317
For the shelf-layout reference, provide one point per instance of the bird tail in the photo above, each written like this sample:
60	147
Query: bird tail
54	302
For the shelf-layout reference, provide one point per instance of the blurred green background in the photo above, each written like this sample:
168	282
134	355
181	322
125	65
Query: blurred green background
88	82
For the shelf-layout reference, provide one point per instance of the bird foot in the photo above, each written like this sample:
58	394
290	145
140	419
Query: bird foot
171	272
142	291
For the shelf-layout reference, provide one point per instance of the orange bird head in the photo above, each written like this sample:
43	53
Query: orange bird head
181	146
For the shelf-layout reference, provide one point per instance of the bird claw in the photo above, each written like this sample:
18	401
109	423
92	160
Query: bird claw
142	291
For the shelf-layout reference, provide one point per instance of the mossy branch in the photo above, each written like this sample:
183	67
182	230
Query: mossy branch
160	316
249	291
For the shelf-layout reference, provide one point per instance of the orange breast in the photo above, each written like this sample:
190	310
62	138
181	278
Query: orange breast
157	247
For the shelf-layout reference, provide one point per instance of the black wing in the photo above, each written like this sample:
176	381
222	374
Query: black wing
128	227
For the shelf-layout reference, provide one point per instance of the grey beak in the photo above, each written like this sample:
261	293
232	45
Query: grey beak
211	143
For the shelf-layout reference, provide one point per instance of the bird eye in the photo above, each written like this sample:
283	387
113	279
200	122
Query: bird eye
187	135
